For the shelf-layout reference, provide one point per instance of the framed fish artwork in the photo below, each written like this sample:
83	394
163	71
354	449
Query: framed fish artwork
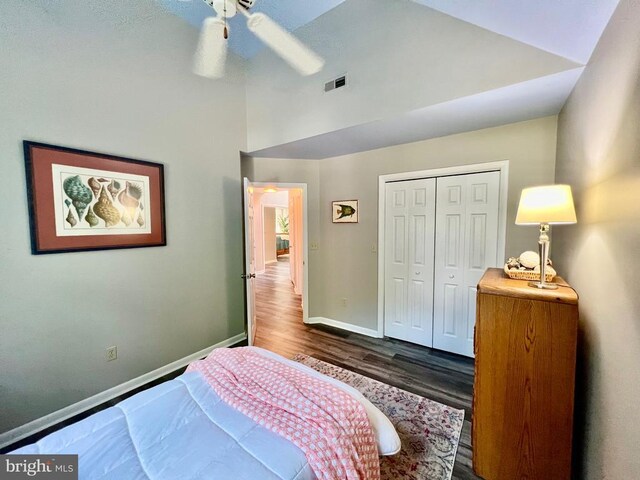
345	211
81	200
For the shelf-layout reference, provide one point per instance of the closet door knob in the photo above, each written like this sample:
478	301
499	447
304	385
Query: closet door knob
452	276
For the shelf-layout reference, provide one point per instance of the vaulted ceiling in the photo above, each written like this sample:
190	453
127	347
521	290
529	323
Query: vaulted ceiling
420	68
568	28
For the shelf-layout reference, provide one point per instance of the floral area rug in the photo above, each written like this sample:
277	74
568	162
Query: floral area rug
429	431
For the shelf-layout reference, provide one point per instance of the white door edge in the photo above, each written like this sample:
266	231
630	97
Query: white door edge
249	258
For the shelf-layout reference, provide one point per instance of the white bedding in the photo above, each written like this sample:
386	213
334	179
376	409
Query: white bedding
182	430
179	430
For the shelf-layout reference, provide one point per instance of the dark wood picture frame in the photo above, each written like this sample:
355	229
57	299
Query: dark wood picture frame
48	199
335	212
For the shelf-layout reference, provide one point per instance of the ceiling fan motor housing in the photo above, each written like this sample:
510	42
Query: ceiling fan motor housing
227	8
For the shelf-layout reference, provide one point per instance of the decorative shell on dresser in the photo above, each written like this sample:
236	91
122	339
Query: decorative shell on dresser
527	267
513	262
548	271
529	259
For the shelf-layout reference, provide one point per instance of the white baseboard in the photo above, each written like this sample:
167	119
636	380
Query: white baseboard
369	332
58	416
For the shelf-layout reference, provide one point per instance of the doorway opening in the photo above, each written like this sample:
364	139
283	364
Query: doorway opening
275	257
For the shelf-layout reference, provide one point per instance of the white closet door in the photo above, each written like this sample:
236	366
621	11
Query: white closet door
466	245
409	253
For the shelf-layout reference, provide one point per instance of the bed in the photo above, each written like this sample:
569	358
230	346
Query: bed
182	429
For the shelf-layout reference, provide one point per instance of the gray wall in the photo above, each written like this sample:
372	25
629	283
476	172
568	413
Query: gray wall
344	266
114	77
599	155
269	227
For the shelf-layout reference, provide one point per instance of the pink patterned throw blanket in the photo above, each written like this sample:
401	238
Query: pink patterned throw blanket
327	424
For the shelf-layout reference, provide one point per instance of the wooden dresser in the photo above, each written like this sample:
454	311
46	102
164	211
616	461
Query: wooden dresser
525	348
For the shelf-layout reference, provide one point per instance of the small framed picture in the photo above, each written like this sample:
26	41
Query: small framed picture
345	211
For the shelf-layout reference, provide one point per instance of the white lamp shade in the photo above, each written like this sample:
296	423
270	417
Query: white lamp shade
552	204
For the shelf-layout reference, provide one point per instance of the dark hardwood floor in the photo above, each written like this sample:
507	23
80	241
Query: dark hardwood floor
436	375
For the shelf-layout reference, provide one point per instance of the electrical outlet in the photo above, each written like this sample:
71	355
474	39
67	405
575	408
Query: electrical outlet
374	248
344	302
313	245
112	353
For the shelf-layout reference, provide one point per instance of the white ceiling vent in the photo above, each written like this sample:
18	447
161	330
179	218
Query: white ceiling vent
336	83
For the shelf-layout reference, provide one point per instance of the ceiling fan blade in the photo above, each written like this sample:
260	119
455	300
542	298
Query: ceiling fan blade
210	57
292	50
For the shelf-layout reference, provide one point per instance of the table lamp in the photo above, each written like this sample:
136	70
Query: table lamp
545	205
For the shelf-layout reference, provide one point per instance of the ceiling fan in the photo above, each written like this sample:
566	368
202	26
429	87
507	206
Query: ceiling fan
211	54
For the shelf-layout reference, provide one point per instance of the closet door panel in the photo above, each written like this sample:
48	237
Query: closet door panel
466	245
396	264
409	251
449	260
481	245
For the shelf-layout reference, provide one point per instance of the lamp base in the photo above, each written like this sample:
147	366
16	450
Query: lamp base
544	286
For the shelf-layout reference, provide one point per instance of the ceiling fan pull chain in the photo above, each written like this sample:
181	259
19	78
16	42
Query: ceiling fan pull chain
226	31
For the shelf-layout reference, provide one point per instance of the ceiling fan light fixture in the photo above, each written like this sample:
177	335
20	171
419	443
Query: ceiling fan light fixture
225	8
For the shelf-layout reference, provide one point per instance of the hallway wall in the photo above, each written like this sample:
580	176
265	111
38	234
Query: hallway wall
269	237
